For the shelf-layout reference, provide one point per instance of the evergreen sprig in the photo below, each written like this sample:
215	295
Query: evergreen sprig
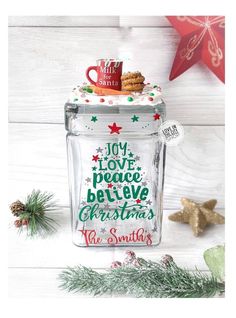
150	279
37	204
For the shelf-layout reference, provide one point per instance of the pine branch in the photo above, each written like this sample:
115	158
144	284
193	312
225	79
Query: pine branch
150	279
39	202
36	205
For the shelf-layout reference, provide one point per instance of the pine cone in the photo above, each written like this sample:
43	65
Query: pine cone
17	208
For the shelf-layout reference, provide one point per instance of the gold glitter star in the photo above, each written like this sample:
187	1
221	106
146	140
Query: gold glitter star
197	215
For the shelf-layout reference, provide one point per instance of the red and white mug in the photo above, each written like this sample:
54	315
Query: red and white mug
109	73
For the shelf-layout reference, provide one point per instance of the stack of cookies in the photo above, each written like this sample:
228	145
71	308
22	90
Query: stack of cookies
132	82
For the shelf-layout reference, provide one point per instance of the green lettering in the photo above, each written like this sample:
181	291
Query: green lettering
126	192
144	193
130	164
100	196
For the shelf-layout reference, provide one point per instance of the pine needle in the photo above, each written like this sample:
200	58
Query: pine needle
37	204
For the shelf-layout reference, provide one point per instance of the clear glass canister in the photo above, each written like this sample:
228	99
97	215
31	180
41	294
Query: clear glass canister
116	169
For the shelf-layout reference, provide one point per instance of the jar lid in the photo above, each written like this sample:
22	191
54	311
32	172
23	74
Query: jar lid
84	94
137	113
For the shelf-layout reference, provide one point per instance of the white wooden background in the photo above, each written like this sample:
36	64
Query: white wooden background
47	58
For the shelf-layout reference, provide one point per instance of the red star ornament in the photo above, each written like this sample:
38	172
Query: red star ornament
95	158
114	129
156	116
138	201
202	38
110	185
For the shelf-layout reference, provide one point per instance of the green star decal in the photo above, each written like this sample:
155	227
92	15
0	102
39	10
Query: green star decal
94	168
94	119
139	168
105	158
135	118
131	155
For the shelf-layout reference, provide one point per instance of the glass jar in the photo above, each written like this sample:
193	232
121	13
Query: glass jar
116	167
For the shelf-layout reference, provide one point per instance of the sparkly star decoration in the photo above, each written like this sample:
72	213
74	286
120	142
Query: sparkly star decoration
137	158
156	116
130	155
197	215
105	158
144	183
114	129
88	180
135	118
119	186
107	206
99	149
94	119
94	168
110	185
149	202
103	230
139	168
83	203
138	201
95	158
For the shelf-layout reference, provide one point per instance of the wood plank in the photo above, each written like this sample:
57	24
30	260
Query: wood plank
58	251
144	21
37	282
195	169
63	21
46	63
89	21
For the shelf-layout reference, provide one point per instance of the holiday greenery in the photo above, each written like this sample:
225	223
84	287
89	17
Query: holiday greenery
32	213
140	278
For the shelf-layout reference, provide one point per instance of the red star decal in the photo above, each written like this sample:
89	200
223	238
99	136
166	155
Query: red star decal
138	201
110	185
95	158
202	39
114	129
156	116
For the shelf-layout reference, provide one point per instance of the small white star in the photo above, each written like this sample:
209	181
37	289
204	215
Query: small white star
137	158
149	202
144	183
119	186
88	180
